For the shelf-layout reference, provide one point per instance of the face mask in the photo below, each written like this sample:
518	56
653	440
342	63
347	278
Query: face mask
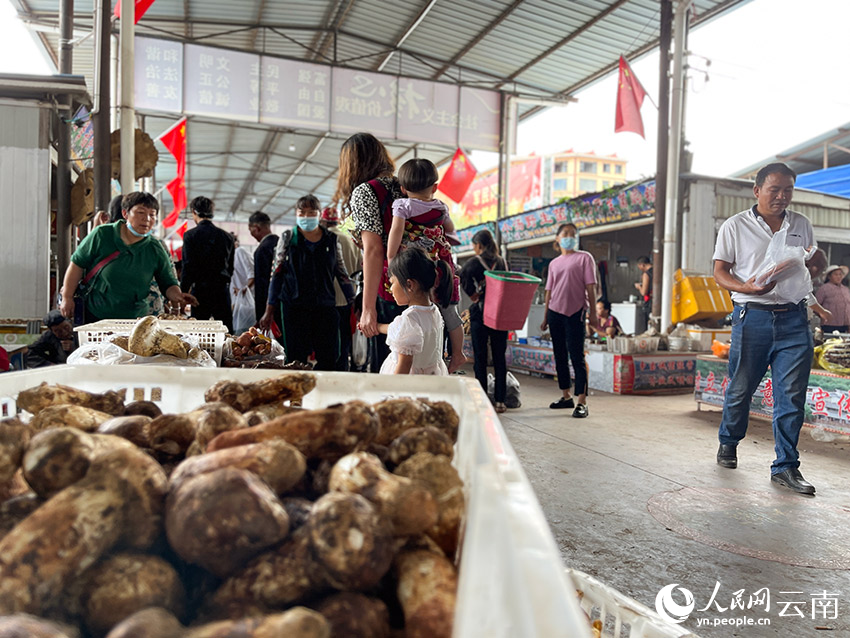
137	234
568	243
307	223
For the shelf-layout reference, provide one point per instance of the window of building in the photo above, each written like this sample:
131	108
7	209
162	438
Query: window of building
588	167
587	185
606	184
561	167
618	169
606	168
559	185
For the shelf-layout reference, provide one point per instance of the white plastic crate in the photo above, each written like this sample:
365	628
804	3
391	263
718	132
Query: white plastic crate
621	345
646	344
210	334
621	616
703	337
512	582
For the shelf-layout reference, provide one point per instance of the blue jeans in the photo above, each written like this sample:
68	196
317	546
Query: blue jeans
783	341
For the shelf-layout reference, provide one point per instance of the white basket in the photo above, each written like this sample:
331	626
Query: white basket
646	344
210	334
617	610
511	583
621	345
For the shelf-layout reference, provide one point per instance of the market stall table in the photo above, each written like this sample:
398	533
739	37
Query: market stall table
827	398
619	373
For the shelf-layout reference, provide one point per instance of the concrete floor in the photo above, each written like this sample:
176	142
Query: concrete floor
597	480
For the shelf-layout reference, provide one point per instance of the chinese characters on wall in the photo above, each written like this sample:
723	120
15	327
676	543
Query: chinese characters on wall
229	84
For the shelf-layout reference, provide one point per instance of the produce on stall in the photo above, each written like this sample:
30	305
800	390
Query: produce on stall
834	356
511	580
184	512
253	349
151	341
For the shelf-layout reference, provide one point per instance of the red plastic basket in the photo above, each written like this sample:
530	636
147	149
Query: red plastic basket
508	299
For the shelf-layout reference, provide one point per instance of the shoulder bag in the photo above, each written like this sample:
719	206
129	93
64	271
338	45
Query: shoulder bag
83	288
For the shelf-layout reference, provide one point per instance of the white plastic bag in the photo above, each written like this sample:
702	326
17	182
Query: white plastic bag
785	265
244	314
359	350
512	399
108	353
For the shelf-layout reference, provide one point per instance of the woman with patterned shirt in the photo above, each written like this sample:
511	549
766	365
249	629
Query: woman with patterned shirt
365	191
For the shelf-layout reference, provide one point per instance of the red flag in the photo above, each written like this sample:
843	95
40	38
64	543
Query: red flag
630	96
458	178
177	188
174	139
182	230
141	7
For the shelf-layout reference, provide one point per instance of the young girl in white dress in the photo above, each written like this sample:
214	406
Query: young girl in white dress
415	337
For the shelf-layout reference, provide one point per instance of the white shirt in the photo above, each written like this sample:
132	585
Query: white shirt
418	331
743	240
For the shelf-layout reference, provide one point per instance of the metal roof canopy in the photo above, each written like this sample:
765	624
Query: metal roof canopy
824	151
546	49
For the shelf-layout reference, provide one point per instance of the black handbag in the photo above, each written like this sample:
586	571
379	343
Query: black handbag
84	287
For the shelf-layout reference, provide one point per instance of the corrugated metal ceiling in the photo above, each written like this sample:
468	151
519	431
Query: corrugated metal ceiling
542	48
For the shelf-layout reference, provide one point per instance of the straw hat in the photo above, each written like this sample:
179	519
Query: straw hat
829	271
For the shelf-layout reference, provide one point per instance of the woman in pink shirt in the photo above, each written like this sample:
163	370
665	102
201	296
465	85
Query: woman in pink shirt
570	285
835	297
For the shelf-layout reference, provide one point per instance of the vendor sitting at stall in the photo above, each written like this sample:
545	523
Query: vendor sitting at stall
835	297
54	346
606	324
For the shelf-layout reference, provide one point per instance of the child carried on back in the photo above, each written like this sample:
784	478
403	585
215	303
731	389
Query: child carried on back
422	221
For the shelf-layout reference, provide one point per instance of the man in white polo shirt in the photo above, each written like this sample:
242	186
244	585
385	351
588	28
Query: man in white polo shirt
767	329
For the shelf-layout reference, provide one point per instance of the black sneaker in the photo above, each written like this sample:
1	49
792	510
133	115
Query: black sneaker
562	403
580	412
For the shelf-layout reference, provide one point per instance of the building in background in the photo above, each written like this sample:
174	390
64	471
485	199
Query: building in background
536	181
574	174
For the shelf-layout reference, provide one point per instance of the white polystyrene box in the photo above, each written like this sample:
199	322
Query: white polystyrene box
512	582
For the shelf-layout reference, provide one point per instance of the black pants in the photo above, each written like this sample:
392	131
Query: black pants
311	329
343	363
568	343
831	329
213	301
378	348
498	345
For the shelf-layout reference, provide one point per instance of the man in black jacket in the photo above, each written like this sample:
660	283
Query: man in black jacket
259	225
208	265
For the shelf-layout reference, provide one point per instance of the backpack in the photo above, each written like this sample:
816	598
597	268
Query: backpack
481	286
385	208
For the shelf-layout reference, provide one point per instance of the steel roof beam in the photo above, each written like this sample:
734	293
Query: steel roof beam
271	141
339	15
409	30
481	35
235	27
231	133
24	9
640	51
565	41
303	163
